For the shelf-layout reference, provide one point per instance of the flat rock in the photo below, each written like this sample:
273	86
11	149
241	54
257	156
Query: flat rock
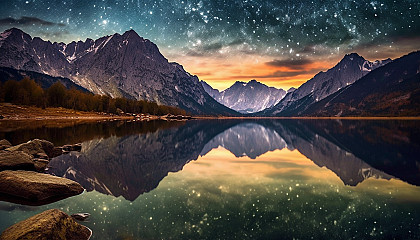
41	156
80	216
51	224
40	164
4	144
35	147
16	160
36	187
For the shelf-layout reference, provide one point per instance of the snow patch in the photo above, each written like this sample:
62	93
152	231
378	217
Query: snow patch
71	58
107	41
367	66
63	51
4	35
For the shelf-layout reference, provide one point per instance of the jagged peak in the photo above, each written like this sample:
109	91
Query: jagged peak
14	32
254	82
13	29
37	39
352	56
132	34
239	83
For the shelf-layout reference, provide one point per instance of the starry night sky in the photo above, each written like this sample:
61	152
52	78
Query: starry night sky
279	42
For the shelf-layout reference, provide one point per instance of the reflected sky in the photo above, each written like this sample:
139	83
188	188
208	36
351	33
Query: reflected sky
294	191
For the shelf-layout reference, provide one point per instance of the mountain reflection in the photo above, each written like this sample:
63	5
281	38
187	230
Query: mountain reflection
247	139
354	150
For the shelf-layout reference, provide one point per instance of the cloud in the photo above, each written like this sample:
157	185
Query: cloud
235	42
55	34
28	21
276	74
293	64
204	49
281	74
213	47
203	73
193	53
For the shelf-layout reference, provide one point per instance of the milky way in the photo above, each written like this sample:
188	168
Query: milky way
209	36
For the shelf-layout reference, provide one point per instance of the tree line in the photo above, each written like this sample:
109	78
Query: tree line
28	92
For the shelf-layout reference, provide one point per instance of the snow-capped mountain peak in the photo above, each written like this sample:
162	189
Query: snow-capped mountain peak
246	97
351	68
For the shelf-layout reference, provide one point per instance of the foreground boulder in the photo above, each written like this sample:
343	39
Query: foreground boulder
51	224
16	160
32	188
37	147
4	144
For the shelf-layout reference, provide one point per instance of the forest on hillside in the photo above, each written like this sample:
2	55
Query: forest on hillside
28	92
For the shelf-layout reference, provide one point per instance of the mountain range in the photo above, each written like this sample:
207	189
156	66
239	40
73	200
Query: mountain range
124	65
350	69
392	90
247	97
130	66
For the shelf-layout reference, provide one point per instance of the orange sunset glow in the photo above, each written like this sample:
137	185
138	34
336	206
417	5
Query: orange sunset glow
222	70
277	167
222	73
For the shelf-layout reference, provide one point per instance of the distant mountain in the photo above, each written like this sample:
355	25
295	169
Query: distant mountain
247	97
392	90
118	65
350	69
292	89
44	80
214	93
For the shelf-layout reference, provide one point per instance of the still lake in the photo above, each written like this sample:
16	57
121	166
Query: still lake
236	179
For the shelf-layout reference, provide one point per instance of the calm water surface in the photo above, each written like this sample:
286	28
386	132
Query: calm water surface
230	179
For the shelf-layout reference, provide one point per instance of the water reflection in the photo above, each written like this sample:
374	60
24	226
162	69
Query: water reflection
61	132
354	150
131	165
265	179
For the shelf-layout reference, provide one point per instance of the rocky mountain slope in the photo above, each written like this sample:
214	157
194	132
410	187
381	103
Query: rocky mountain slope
350	69
124	65
44	80
247	97
393	90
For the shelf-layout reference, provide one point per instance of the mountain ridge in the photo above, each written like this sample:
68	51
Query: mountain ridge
392	90
246	97
115	65
350	69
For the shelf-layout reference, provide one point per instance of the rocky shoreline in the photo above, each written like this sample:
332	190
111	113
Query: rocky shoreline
23	180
